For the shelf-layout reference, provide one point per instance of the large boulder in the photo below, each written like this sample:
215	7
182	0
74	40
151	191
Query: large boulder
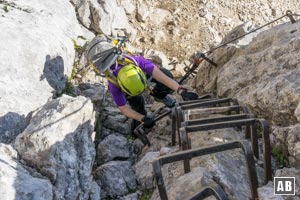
58	143
114	146
264	74
16	182
37	53
116	178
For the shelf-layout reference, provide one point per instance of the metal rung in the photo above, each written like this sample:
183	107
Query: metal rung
220	125
206	103
212	190
189	154
228	124
214	119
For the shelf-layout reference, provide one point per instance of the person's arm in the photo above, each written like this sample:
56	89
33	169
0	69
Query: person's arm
172	84
130	113
147	121
162	78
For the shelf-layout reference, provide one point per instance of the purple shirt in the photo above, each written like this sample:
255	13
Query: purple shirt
118	96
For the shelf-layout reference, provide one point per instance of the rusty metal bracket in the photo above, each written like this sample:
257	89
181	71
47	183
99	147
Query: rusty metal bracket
189	154
214	190
229	124
289	14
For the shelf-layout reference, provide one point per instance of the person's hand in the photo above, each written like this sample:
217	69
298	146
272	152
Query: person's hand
148	122
186	95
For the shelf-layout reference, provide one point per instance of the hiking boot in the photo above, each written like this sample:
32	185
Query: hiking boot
169	101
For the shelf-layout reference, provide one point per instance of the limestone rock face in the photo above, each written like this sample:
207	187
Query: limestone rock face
16	182
57	143
36	54
264	74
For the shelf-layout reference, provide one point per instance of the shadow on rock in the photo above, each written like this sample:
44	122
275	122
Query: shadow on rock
54	73
12	124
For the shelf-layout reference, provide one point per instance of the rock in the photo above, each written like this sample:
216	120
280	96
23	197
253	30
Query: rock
112	110
95	191
185	186
57	143
142	13
128	6
83	10
291	172
113	123
95	92
297	112
262	74
293	145
160	37
117	118
133	196
205	80
158	58
106	16
167	150
116	178
114	146
32	74
157	15
144	170
239	31
11	125
266	192
16	182
228	167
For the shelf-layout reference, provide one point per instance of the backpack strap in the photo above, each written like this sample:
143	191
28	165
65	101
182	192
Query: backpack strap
111	78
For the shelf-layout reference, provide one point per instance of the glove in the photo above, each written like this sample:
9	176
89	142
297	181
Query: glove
148	122
186	96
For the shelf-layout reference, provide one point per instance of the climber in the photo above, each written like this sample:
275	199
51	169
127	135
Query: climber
132	81
129	76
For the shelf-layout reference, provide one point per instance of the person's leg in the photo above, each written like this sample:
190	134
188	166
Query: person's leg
160	91
137	103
